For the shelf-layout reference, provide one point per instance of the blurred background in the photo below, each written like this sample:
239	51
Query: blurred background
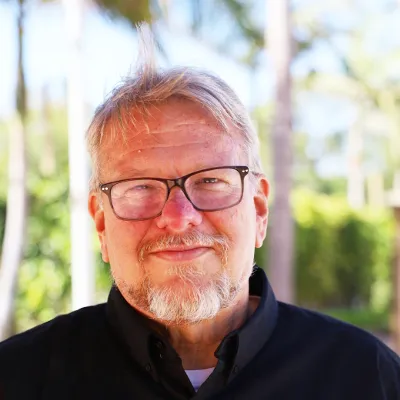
321	81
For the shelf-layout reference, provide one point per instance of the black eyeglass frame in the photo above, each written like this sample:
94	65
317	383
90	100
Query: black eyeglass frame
171	183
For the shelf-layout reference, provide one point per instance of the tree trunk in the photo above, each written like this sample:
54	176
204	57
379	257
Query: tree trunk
13	243
281	235
355	180
376	190
81	228
47	163
395	312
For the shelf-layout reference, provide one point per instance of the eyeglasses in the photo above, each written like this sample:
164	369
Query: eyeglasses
210	189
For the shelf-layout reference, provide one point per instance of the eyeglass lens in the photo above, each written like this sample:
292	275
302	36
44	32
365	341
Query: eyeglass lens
207	190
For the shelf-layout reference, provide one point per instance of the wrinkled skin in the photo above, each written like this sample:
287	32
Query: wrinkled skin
175	139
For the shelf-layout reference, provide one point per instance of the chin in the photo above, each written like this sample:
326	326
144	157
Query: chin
181	274
185	287
186	305
182	300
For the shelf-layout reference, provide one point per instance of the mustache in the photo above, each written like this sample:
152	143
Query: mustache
194	238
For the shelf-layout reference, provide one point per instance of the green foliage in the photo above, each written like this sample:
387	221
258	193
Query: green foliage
44	281
343	257
241	14
365	318
3	176
332	186
3	158
2	218
44	284
132	11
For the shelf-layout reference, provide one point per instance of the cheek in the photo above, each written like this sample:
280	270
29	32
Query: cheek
241	220
122	239
238	224
244	228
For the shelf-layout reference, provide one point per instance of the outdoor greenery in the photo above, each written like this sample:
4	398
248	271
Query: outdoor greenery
343	257
344	231
365	318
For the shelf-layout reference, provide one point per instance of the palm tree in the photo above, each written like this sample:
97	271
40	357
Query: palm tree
13	242
281	236
134	12
82	269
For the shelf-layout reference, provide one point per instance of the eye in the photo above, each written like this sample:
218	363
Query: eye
140	187
135	188
209	180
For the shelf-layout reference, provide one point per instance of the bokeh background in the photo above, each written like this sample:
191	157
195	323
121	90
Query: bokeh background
321	81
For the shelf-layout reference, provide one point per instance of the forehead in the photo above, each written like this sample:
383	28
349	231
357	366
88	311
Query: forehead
177	134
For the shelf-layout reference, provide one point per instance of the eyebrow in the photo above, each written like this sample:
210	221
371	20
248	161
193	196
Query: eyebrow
134	173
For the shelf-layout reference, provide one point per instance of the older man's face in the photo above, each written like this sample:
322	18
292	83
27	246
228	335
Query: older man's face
183	265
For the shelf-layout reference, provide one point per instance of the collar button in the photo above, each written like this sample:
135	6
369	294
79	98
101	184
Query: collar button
160	345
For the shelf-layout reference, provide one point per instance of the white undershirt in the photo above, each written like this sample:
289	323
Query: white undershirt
198	376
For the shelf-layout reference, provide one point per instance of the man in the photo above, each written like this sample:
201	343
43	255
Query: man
179	202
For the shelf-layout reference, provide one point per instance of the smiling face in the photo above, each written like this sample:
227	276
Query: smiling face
184	265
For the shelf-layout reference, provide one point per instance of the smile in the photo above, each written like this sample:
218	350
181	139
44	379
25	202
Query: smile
181	254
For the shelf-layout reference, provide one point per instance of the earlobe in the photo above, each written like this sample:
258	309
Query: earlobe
261	205
97	213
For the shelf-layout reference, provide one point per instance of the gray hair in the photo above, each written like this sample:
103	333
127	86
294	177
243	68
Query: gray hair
150	85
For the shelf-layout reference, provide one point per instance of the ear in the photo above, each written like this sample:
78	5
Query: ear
97	213
261	205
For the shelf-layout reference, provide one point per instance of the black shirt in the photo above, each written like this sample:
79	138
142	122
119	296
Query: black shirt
109	351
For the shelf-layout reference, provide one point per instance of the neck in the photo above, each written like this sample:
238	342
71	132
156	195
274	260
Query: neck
197	343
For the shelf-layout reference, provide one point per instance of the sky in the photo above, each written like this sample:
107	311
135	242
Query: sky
110	49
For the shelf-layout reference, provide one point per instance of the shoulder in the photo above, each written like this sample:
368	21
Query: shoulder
342	344
29	351
315	324
39	336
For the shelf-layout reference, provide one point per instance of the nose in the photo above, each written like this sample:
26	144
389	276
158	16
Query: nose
178	213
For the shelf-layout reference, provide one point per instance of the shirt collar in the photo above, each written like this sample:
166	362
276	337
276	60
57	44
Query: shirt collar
257	330
131	327
240	346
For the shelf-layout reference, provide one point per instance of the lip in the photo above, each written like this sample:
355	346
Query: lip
181	253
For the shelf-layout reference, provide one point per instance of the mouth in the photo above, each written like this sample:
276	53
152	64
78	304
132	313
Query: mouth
181	253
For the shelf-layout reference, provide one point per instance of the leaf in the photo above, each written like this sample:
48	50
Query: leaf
132	11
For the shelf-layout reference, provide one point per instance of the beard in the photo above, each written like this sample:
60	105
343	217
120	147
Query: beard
194	301
198	297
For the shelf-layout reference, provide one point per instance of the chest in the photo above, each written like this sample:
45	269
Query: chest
121	379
